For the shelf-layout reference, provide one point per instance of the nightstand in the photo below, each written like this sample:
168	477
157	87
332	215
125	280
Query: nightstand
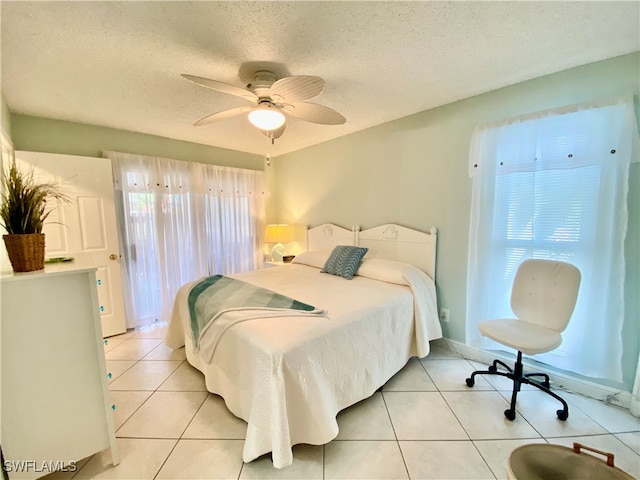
273	263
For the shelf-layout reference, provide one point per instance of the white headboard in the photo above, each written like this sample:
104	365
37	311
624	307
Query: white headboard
395	242
390	241
328	235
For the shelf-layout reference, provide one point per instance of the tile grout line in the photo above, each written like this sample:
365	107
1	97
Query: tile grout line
194	414
88	459
241	468
573	406
465	430
166	458
135	362
395	434
484	459
158	390
147	399
606	431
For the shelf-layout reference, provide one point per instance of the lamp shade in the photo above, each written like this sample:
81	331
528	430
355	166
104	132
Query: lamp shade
266	118
277	233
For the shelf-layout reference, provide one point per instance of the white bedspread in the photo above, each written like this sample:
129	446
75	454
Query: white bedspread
289	377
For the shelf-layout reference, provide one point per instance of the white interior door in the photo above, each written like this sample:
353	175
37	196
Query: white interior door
86	228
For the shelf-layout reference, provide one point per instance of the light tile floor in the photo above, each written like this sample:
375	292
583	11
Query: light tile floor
425	423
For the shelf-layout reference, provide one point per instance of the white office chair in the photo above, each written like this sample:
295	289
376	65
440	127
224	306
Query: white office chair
543	297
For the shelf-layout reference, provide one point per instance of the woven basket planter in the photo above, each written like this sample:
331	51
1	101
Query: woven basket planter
26	252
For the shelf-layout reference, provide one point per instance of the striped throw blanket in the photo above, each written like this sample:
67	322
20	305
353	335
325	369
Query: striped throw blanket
218	302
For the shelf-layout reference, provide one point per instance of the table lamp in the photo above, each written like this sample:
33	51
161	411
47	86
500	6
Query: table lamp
278	234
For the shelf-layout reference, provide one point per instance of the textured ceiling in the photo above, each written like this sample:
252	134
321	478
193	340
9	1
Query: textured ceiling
118	64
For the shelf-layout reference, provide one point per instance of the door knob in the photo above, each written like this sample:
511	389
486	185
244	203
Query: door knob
113	256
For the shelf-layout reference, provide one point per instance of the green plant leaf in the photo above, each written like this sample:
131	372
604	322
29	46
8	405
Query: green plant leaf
24	201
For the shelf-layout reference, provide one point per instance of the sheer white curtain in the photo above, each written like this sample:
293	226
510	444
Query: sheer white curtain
180	221
554	185
635	394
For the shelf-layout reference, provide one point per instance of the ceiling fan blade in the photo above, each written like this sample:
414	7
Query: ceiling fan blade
298	88
315	113
222	115
221	87
275	134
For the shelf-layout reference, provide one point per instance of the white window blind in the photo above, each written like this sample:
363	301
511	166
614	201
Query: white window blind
554	186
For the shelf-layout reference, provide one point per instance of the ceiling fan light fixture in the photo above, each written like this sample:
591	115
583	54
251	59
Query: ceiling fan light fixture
272	101
266	118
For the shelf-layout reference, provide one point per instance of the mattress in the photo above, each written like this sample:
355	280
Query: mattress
289	377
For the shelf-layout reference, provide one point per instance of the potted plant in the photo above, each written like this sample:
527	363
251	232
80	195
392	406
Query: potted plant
22	214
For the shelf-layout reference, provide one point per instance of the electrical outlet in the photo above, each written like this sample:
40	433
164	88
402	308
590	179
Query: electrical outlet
444	315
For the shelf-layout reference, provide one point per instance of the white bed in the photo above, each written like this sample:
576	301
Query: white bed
289	377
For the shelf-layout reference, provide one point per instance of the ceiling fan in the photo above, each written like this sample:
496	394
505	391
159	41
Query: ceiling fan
271	99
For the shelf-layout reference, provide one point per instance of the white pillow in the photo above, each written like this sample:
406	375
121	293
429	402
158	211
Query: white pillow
315	258
388	270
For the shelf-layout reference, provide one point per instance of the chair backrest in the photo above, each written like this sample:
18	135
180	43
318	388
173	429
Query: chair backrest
545	292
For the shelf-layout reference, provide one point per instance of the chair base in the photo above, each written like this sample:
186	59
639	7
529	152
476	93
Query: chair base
519	378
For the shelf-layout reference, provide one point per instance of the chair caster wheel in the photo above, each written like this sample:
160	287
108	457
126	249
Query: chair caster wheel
562	415
493	368
470	382
510	414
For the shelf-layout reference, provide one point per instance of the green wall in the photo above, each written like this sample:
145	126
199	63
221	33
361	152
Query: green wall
413	171
5	117
57	136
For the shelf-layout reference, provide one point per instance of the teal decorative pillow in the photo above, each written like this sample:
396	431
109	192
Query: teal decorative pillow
344	261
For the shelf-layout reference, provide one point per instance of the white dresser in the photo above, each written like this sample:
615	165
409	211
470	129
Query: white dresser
54	391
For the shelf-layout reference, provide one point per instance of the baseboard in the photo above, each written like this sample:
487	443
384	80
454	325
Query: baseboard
561	381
